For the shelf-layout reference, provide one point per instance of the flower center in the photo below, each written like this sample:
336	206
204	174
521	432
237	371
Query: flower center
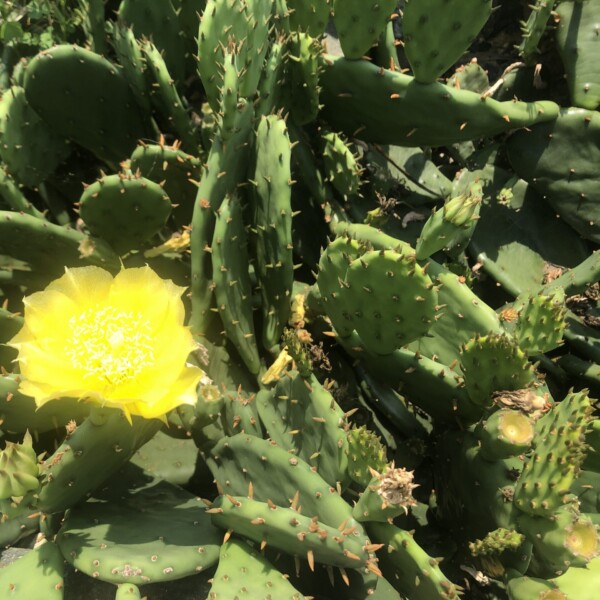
113	345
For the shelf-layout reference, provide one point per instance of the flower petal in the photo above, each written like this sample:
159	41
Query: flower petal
48	311
142	290
39	366
86	286
183	391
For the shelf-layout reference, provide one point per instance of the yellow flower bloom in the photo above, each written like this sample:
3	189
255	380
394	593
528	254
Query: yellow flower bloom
115	341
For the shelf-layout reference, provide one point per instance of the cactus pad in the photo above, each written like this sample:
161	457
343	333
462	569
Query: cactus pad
438	32
391	298
18	469
29	148
365	452
244	573
360	22
85	98
540	322
125	210
37	574
494	363
560	448
232	285
157	533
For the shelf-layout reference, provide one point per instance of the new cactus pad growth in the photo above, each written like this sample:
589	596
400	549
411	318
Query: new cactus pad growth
560	448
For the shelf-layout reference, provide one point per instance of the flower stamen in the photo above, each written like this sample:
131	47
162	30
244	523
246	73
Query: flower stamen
109	344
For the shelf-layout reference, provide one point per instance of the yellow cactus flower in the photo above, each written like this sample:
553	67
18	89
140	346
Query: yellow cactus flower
114	341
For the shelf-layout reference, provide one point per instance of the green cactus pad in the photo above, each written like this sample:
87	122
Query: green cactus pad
130	57
464	315
300	86
225	168
157	21
229	93
242	461
472	77
232	284
576	584
494	363
157	533
244	573
534	29
38	574
269	99
10	323
273	221
246	25
85	98
168	458
438	32
391	298
577	41
517	238
167	100
18	469
289	530
560	448
387	107
473	494
240	414
340	165
310	17
333	265
560	159
29	148
359	23
125	210
90	454
13	197
421	577
301	416
563	540
48	248
177	169
365	452
451	226
128	591
19	518
434	387
540	322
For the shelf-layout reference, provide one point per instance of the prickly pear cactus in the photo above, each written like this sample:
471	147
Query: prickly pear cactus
494	363
85	98
365	452
452	225
540	322
241	568
375	293
560	448
437	33
30	149
19	469
576	37
125	209
332	271
359	24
